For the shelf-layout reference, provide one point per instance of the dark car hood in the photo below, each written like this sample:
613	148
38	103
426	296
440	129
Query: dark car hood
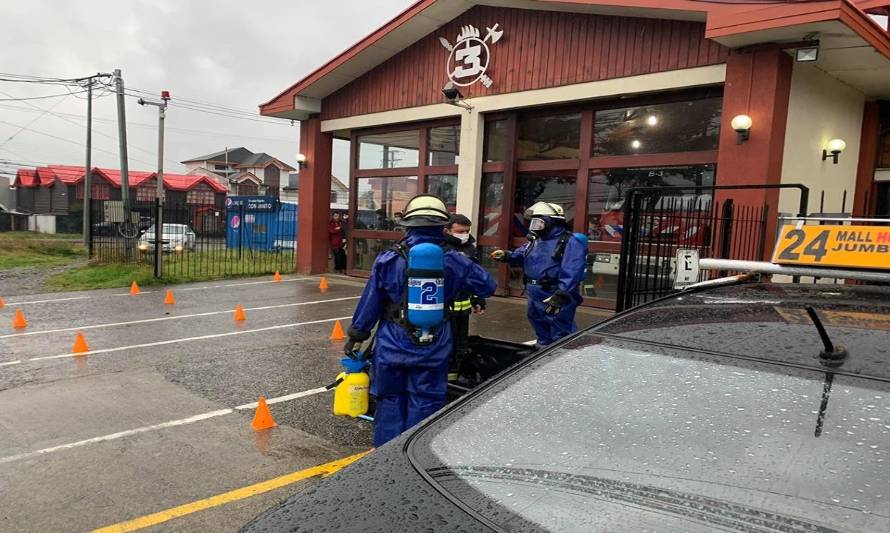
381	492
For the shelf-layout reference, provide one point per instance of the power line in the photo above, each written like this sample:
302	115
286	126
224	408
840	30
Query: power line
207	108
40	97
146	125
200	103
44	111
68	140
38	117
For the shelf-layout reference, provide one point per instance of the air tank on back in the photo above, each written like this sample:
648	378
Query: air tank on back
426	288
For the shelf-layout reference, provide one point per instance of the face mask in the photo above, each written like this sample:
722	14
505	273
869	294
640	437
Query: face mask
462	237
537	224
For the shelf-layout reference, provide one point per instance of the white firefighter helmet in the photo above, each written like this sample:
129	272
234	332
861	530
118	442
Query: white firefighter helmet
545	209
425	210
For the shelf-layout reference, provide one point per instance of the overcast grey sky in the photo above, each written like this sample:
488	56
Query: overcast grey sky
224	52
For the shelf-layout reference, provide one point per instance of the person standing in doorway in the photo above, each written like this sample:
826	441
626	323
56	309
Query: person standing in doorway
458	238
337	237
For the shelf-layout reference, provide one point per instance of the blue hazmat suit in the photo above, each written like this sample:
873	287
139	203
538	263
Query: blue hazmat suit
410	381
536	259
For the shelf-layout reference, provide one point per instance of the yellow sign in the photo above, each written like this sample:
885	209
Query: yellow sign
834	246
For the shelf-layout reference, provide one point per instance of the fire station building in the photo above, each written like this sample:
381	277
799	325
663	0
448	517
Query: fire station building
494	105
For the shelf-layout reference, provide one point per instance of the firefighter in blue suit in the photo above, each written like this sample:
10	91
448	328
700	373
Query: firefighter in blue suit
554	262
410	373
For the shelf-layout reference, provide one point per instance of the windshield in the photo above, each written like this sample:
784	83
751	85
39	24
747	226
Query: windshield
615	435
169	229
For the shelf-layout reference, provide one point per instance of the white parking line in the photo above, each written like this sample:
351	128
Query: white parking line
155	427
11	304
160	319
8	363
68	299
246	283
285	398
188	339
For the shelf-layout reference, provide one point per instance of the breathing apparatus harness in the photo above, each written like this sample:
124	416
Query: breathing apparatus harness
558	253
397	312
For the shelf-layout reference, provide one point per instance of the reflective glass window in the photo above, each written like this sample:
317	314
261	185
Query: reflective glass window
397	149
495	144
380	201
444	146
364	251
549	137
659	128
608	188
557	188
445	187
492	203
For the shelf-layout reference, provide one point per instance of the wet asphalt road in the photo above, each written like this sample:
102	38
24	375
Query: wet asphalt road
155	364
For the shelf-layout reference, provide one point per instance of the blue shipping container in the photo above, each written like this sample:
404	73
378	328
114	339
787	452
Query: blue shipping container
260	223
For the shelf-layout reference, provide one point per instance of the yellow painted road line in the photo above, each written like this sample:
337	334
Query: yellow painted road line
231	496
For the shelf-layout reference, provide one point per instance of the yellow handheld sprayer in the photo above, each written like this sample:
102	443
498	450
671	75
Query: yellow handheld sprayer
351	388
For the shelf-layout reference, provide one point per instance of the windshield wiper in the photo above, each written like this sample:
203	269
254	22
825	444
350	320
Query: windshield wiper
832	356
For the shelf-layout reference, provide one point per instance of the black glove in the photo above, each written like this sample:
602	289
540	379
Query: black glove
355	339
477	302
350	347
555	302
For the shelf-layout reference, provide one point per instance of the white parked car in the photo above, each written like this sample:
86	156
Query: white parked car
174	238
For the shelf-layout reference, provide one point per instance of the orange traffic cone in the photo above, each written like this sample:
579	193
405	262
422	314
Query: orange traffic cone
134	288
323	284
337	333
2	303
277	277
80	344
169	299
239	313
18	321
262	419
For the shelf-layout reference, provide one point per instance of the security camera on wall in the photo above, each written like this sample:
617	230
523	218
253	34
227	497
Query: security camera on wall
451	92
453	96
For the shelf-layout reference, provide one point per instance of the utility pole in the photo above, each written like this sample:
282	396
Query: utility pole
159	191
87	177
122	141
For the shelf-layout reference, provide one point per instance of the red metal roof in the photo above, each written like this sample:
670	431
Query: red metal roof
25	177
68	174
46	176
72	175
184	182
135	177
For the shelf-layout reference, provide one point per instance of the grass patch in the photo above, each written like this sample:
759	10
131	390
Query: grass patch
28	249
101	277
184	268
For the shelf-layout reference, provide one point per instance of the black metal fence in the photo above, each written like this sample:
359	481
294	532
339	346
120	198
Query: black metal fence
197	241
659	221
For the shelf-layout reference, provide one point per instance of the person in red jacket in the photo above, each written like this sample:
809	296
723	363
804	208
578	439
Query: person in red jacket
337	238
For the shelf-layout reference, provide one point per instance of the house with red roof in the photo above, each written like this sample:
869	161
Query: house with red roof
58	190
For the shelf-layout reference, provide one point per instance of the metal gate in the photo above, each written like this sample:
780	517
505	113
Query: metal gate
247	235
658	221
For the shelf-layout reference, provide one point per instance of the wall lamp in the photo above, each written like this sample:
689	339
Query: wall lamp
301	160
742	126
454	97
834	149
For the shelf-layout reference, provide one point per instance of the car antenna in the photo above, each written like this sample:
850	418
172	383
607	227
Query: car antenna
832	357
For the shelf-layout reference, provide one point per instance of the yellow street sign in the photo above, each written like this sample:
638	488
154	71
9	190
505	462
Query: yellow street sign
834	246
